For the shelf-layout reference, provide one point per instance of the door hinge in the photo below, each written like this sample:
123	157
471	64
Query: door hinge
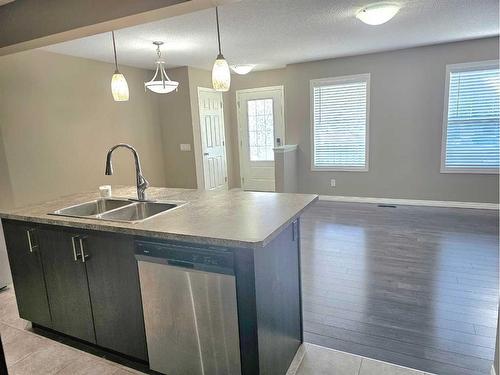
238	105
243	180
241	143
225	179
223	143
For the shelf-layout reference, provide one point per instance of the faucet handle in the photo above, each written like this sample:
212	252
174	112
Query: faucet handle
143	183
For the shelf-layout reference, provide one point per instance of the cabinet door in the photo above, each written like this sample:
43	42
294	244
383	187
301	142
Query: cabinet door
115	293
67	286
27	272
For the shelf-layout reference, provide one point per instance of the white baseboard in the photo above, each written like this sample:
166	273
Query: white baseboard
411	202
493	370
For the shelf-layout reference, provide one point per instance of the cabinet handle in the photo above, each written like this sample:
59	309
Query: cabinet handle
30	242
75	254
84	256
294	230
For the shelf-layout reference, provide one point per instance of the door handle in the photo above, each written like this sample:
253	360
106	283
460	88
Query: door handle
30	241
205	154
73	242
82	250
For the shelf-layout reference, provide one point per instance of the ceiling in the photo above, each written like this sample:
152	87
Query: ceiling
273	33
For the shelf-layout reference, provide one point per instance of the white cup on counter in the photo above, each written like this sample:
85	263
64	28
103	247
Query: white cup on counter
105	191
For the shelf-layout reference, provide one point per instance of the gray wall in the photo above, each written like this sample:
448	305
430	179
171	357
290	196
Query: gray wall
57	120
176	124
406	114
180	123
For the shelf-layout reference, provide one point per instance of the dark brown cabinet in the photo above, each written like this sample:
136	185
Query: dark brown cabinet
84	284
27	272
114	290
67	287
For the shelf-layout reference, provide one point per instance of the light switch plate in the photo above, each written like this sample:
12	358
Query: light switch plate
185	147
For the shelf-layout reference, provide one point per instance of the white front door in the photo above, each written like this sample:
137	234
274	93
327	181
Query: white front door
261	128
213	146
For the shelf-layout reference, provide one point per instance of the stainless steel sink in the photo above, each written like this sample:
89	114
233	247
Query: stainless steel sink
123	210
139	211
92	208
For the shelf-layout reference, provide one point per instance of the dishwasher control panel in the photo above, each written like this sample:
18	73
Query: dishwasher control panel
205	259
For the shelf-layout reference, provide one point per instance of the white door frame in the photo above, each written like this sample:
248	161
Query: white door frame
241	120
198	148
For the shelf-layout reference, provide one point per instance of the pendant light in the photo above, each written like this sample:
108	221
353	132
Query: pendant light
119	86
163	85
221	75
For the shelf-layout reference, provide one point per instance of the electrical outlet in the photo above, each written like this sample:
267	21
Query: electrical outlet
185	147
332	182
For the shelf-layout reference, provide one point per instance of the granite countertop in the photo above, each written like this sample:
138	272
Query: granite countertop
231	218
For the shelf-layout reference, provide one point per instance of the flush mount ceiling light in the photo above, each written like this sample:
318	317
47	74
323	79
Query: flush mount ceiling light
221	75
163	85
242	68
378	13
119	86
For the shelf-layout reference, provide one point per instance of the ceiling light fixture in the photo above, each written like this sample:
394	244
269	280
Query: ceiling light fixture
242	68
165	85
119	86
378	13
221	75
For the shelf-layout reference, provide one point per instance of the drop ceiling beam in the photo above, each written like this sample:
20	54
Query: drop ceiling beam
29	24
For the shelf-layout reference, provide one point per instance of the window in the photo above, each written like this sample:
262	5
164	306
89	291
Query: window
339	111
471	128
260	129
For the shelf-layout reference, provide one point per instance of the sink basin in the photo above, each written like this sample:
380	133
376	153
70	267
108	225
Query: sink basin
139	211
92	208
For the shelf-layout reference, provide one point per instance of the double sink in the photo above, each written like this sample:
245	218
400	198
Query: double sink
115	209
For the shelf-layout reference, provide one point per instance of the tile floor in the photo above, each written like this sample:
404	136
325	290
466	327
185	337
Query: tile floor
28	353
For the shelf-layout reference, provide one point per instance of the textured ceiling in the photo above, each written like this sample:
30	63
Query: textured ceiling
273	33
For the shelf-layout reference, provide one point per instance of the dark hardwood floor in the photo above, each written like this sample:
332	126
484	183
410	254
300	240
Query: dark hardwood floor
414	286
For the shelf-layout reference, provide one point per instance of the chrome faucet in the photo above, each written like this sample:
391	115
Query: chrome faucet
142	183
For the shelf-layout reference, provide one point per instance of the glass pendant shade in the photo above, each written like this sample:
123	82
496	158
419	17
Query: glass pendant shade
162	85
119	87
221	75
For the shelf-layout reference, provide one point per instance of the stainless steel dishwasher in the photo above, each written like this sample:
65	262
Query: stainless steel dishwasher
190	310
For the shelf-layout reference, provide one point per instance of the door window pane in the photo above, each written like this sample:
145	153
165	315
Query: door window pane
261	129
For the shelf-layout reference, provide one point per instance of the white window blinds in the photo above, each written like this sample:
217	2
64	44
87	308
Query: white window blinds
340	123
472	127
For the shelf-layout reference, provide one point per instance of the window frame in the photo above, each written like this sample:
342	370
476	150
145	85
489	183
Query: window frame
365	77
453	68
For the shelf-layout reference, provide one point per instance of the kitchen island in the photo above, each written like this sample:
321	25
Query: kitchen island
80	277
